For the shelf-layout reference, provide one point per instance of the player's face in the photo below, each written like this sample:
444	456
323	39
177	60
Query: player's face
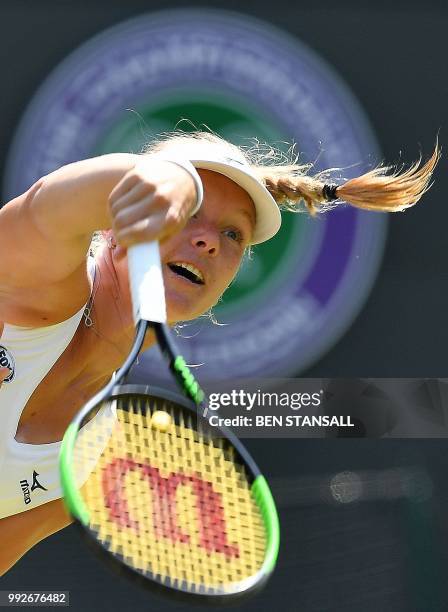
212	244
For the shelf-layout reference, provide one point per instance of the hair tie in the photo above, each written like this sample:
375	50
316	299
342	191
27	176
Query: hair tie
329	192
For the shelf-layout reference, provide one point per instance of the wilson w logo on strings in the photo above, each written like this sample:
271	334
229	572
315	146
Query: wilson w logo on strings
209	505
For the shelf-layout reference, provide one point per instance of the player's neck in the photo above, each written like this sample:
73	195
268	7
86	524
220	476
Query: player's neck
113	326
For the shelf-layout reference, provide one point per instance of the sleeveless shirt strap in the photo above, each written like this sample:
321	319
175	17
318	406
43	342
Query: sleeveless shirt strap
92	272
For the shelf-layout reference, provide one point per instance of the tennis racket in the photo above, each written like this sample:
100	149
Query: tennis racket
170	501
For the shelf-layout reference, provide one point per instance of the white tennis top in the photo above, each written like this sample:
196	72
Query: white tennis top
29	474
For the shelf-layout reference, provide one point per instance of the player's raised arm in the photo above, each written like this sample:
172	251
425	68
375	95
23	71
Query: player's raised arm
45	232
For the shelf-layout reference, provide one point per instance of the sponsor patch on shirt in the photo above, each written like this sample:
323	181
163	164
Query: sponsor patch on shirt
7	361
27	489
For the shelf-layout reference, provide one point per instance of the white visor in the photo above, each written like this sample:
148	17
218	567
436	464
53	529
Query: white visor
208	156
268	216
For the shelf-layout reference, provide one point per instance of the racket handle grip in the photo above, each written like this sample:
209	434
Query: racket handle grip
146	282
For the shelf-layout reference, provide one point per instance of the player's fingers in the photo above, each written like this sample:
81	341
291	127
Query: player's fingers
137	192
157	227
148	207
127	183
141	231
136	212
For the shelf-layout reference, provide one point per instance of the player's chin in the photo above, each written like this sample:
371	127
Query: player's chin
182	306
186	300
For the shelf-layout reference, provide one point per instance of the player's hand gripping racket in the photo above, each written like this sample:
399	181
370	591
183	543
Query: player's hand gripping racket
173	502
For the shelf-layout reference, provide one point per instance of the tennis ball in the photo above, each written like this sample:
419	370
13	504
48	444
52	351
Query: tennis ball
161	420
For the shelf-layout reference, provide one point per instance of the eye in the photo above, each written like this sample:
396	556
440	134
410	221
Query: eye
234	235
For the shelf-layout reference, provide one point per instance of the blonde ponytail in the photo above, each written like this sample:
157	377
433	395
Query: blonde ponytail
385	188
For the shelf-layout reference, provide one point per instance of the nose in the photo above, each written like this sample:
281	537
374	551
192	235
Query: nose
206	241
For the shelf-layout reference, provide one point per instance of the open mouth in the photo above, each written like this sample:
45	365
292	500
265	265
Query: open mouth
187	271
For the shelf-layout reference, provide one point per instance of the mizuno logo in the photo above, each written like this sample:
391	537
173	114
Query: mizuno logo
36	484
27	490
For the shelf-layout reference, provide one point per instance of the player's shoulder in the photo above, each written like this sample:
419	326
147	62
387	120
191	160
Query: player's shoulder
42	304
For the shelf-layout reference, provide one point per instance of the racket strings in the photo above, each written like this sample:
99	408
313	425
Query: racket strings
172	502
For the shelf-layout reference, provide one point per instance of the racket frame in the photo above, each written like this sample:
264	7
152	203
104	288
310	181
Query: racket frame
258	485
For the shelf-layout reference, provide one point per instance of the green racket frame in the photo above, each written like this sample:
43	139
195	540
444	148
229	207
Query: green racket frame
259	489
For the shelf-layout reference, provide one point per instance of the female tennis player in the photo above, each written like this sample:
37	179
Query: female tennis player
66	315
